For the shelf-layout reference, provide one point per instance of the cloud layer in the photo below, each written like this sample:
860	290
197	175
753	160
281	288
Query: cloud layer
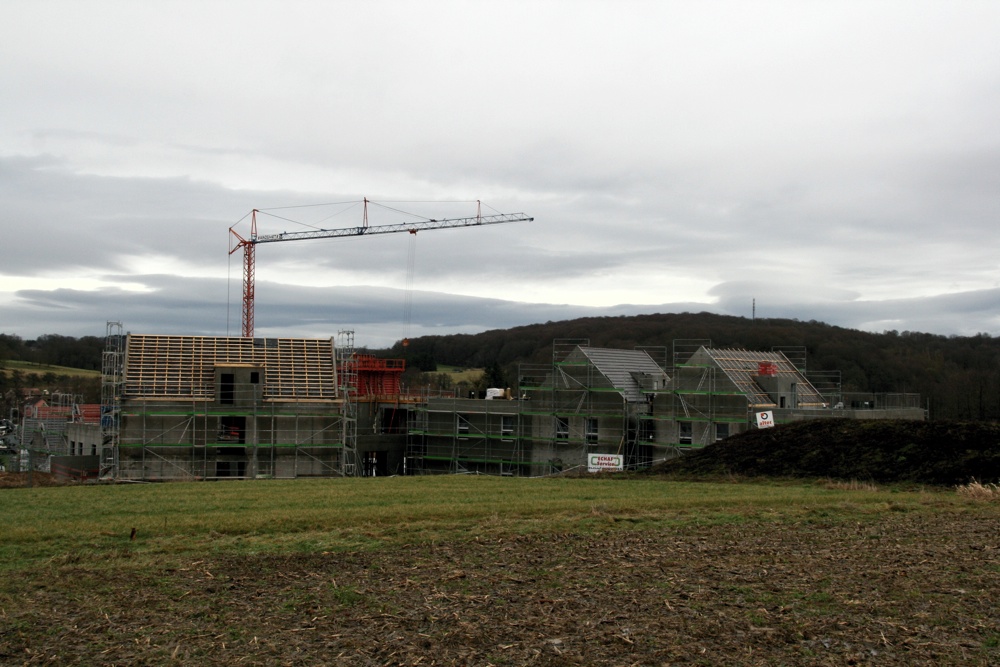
837	162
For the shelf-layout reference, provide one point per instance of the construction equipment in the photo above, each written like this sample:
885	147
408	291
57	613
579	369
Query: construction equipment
249	244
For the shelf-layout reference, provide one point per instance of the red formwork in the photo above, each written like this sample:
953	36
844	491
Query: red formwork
376	376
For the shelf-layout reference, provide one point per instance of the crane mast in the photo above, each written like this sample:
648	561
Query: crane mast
249	244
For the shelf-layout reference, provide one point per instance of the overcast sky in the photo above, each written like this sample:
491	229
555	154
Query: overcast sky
832	161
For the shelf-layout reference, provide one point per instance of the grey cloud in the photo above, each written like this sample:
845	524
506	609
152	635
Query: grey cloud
961	313
698	146
211	307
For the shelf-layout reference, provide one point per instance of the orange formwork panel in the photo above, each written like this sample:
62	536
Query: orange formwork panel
376	376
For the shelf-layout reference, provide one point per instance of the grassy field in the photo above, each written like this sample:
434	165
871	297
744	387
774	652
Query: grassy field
481	570
8	366
457	375
326	515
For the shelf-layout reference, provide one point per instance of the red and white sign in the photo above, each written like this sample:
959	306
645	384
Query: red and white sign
767	368
605	462
765	419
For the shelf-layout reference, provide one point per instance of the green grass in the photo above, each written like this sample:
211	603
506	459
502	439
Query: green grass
467	375
9	366
93	524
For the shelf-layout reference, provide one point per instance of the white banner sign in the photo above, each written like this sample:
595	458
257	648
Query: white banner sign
605	462
765	419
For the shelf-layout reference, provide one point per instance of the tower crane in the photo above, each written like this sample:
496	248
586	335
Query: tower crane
249	244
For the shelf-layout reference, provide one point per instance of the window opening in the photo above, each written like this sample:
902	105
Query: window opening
227	391
721	431
232	429
562	428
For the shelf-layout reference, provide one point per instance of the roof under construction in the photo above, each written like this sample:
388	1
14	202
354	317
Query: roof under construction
626	370
744	367
183	367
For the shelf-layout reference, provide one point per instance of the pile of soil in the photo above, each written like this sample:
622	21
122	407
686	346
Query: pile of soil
933	452
20	480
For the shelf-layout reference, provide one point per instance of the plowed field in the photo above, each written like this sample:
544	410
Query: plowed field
901	588
522	572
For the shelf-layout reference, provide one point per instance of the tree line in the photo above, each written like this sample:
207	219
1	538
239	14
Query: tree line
54	350
958	377
49	350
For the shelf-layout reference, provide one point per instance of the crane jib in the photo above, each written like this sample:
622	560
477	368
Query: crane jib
411	227
248	245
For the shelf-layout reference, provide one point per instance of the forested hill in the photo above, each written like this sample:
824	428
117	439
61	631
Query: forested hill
958	377
54	350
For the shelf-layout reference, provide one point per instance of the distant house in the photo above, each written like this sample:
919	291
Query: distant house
44	422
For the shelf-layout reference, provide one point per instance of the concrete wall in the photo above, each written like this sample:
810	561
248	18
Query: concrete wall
80	468
84	439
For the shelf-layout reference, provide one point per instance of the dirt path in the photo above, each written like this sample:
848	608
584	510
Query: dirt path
905	589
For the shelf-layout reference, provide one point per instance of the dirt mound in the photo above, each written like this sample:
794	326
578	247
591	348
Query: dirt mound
19	480
935	452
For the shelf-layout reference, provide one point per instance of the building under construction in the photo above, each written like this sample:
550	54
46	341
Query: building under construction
586	401
212	407
201	407
596	408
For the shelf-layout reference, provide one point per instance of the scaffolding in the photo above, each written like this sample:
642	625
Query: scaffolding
597	401
714	392
202	440
701	407
112	384
586	401
829	384
695	404
348	386
189	407
683	349
448	434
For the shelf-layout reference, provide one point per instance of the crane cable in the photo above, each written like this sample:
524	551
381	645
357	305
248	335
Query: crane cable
411	262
